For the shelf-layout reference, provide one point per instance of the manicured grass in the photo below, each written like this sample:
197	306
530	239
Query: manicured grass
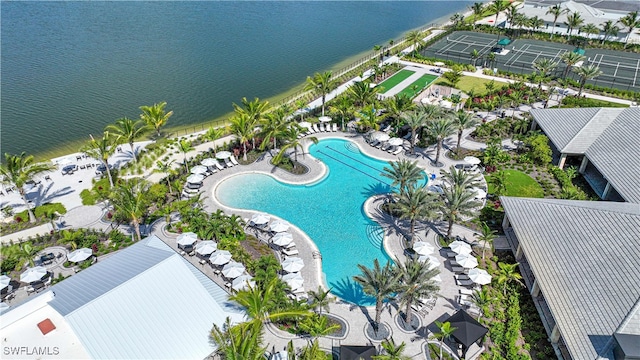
394	80
519	184
417	86
468	83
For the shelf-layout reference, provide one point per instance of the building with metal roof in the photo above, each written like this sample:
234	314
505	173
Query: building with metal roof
144	302
606	142
581	262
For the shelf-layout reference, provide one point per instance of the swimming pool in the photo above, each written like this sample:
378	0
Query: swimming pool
330	211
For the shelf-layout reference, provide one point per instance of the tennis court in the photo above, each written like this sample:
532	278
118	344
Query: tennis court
619	69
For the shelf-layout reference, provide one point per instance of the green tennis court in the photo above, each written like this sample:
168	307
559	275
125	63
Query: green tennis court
394	80
417	86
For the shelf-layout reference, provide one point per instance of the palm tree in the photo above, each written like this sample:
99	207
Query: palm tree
500	182
631	21
512	14
128	131
254	109
545	67
416	282
369	118
317	325
586	73
293	141
415	120
320	299
379	282
101	149
397	106
446	330
481	298
130	201
463	120
392	351
457	202
460	178
589	29
497	6
574	20
413	204
486	237
311	352
241	126
491	58
478	9
404	173
155	115
453	76
609	28
185	146
273	126
17	170
515	98
507	274
570	58
213	134
343	107
324	83
301	104
475	55
165	167
241	342
362	94
439	130
416	39
535	23
555	11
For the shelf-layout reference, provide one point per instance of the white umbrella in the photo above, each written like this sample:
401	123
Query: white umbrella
260	219
294	280
220	257
423	248
282	239
305	124
223	155
206	247
195	179
279	226
377	134
467	261
438	63
324	119
433	262
209	162
4	281
80	255
187	238
524	108
292	264
241	282
460	247
384	137
33	274
395	141
479	276
472	160
199	169
233	269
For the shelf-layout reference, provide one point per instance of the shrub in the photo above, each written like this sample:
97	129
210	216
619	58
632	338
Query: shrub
42	210
575	102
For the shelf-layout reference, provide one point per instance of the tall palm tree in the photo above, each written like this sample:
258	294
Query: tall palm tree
293	141
439	130
416	39
254	109
497	6
155	116
415	120
587	72
404	173
301	104
241	125
570	58
165	167
369	118
311	351
101	149
446	330
241	342
535	23
481	298
129	200
463	120
589	29
460	178
512	14
574	21
631	21
478	10
273	125
397	106
362	94
323	83
515	98
555	11
343	107
486	236
320	299
185	146
491	58
475	55
379	282
508	274
392	351
17	170
609	28
416	282
213	134
545	67
414	204
500	182
457	202
128	131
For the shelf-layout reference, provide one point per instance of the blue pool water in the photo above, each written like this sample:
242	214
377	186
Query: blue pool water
330	211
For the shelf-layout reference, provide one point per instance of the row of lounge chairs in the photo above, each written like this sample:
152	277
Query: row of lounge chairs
385	146
317	128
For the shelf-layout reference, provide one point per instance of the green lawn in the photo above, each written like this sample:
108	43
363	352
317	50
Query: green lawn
468	83
417	86
519	184
394	80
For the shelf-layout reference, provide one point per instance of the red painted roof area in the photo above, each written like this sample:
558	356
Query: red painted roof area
46	326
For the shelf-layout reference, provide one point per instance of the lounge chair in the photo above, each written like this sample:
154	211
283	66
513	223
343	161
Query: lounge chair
233	160
407	137
374	143
219	166
385	147
398	150
315	128
290	252
321	127
457	269
228	163
311	130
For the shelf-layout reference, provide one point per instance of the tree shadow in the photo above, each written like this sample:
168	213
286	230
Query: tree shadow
44	195
376	188
351	292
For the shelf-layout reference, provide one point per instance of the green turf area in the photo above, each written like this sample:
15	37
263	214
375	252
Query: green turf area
394	80
468	83
417	86
519	184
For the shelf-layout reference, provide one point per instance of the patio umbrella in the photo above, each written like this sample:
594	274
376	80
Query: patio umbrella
220	257
33	274
195	179
479	276
260	219
241	282
305	124
223	155
438	63
384	137
524	108
460	247
4	281
466	261
395	141
209	162
294	280
279	226
292	264
324	119
206	247
467	329
376	135
423	248
199	169
282	239
472	160
80	255
433	262
233	269
187	238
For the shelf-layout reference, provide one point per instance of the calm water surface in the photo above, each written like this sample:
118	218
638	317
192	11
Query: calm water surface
70	68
